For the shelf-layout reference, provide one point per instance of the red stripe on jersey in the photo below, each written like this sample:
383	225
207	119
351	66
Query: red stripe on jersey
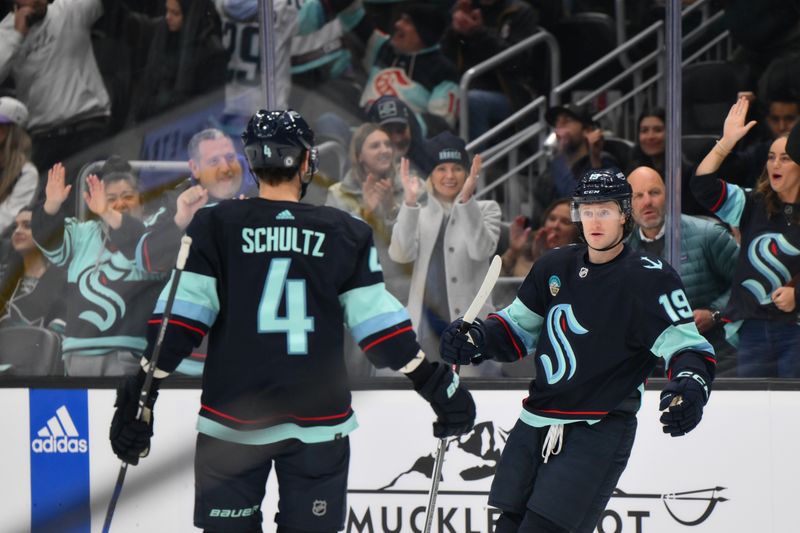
262	420
179	323
386	337
721	198
711	359
146	254
558	412
508	330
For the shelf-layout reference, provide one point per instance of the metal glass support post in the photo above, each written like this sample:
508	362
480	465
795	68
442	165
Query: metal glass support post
673	154
266	26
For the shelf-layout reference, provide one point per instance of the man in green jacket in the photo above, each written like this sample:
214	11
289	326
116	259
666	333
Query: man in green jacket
708	257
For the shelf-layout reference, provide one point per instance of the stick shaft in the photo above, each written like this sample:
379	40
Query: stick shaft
148	380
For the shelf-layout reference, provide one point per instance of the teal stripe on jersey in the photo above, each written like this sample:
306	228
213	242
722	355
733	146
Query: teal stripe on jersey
197	295
189	367
309	435
378	323
139	254
363	304
733	206
59	256
678	338
102	345
310	18
525	323
539	421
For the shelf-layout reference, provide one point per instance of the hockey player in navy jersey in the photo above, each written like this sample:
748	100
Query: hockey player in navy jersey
271	281
597	317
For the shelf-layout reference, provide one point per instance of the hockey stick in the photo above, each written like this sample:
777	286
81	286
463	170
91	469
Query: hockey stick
141	414
469	317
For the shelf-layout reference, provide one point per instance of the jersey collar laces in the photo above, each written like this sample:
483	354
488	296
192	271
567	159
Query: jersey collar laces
553	441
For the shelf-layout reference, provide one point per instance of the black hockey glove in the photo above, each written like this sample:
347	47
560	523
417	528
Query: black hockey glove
683	398
451	401
456	348
130	438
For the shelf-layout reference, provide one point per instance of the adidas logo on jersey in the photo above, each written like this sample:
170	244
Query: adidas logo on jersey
59	435
285	215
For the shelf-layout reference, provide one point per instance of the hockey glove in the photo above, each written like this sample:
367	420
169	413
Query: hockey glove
130	438
452	403
455	347
683	398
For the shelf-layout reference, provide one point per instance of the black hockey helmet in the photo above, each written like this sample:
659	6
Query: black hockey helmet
278	139
603	185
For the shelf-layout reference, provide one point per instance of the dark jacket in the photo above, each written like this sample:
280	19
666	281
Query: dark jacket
505	23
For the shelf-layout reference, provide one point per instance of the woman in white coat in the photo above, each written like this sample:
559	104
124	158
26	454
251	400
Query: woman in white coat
449	236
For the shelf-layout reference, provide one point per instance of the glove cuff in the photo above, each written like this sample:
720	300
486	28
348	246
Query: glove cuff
698	378
420	375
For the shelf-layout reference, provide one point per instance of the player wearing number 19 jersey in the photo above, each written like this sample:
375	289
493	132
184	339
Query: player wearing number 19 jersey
597	318
271	281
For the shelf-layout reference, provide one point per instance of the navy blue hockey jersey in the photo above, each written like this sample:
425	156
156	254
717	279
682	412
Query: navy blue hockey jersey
596	331
272	283
770	255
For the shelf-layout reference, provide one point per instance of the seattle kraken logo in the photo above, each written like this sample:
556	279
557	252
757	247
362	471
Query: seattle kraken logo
92	284
762	254
560	318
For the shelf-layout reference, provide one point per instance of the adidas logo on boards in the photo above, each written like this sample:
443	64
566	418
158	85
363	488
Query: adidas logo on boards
59	435
285	215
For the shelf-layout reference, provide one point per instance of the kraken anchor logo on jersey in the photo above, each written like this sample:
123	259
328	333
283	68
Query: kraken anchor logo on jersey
92	283
762	254
561	319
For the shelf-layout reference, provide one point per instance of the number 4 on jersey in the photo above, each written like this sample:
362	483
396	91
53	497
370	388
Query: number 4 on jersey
296	324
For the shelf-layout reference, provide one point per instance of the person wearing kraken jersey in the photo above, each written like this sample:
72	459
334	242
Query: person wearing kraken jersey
597	317
764	293
307	36
108	299
216	175
272	280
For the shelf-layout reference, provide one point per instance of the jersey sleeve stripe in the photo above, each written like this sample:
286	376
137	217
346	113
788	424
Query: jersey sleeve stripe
378	323
142	254
723	193
178	323
526	323
195	299
363	303
733	205
188	310
676	339
510	335
386	337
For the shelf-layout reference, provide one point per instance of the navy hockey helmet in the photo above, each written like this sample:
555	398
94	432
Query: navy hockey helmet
278	139
603	185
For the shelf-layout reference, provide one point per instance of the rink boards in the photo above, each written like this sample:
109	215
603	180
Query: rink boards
737	472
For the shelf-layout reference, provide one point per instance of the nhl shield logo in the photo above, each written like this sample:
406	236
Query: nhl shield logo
554	284
319	507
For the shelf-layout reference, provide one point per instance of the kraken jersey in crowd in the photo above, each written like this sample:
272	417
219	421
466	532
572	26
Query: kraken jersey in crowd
770	255
108	299
596	331
272	283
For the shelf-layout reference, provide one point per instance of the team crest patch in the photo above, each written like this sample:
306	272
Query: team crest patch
583	272
555	285
319	507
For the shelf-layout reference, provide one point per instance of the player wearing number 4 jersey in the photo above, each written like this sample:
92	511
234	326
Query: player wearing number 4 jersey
596	317
271	281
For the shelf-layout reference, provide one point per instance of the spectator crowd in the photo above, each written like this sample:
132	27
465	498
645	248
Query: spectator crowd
87	256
